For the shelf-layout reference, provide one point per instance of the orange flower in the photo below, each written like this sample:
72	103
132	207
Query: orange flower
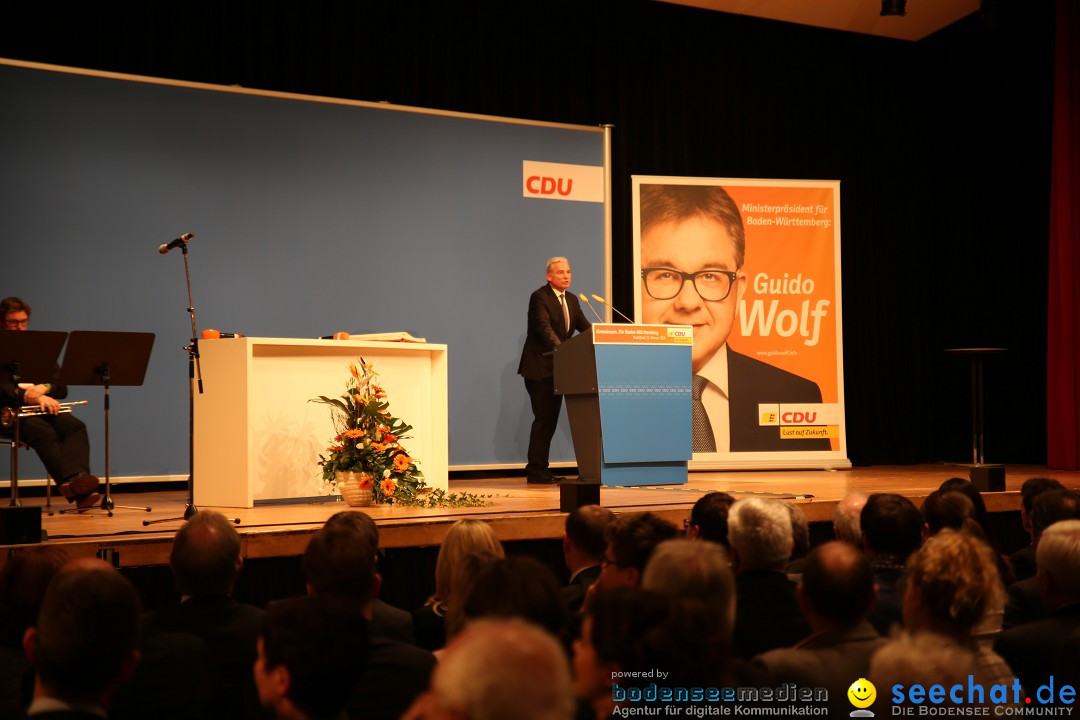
388	487
354	433
402	462
388	438
364	483
379	447
353	370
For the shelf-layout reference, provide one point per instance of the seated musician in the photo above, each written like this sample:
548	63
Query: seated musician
59	439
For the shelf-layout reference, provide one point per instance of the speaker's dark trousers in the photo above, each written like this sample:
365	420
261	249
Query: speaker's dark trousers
546	406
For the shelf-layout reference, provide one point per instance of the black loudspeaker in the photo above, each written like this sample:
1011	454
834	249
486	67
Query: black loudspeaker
988	478
575	493
20	525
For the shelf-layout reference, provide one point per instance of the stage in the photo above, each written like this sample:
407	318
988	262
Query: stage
518	512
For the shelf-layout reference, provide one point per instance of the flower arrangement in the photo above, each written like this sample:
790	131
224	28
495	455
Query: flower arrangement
368	440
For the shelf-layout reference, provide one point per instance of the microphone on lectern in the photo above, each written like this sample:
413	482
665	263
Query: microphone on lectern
601	300
585	299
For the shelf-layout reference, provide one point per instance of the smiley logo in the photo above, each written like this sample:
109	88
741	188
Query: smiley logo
862	693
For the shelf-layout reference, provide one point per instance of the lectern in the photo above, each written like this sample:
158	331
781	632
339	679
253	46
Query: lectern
628	395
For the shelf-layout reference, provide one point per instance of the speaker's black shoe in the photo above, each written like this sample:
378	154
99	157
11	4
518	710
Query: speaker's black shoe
540	478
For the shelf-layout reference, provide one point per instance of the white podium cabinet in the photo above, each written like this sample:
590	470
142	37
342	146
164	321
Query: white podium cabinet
257	436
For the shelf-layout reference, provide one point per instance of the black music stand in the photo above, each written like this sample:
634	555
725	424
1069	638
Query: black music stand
107	359
26	353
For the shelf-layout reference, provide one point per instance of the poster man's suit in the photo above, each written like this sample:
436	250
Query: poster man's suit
547	328
751	382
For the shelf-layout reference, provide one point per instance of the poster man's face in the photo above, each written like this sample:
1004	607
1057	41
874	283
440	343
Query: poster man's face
698	243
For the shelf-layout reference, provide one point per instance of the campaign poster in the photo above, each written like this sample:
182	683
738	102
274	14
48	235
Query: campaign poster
754	267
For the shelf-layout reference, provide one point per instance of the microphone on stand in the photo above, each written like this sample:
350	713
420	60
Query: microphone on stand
586	301
178	242
601	300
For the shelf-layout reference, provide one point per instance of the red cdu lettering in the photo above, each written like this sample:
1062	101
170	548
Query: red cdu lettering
547	186
530	184
569	185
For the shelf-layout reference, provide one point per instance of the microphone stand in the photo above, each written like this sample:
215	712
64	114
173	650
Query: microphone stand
194	371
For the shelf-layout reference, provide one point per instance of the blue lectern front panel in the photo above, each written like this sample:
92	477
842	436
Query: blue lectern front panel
644	393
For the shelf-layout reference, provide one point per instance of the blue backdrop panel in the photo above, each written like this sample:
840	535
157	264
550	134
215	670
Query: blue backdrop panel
310	217
645	398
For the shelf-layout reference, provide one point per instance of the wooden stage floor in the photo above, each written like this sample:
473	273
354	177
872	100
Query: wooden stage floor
519	511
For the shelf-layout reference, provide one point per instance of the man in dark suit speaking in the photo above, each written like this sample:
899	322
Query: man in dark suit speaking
554	315
692	250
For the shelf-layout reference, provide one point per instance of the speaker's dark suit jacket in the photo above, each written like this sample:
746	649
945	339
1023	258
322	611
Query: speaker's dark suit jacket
546	330
751	382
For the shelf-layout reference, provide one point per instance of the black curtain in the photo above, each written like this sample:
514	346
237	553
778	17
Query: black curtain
942	148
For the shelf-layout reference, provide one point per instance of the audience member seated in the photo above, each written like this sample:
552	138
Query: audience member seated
503	669
23	580
683	568
949	509
845	518
1023	560
386	620
339	565
800	536
1032	649
629	631
515	587
463	537
465	571
952	585
836	594
965	486
308	651
83	645
631	539
708	518
205	561
583	547
1024	602
892	530
767	612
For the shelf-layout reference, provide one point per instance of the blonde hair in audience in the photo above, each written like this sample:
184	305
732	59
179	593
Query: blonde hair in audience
464	537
